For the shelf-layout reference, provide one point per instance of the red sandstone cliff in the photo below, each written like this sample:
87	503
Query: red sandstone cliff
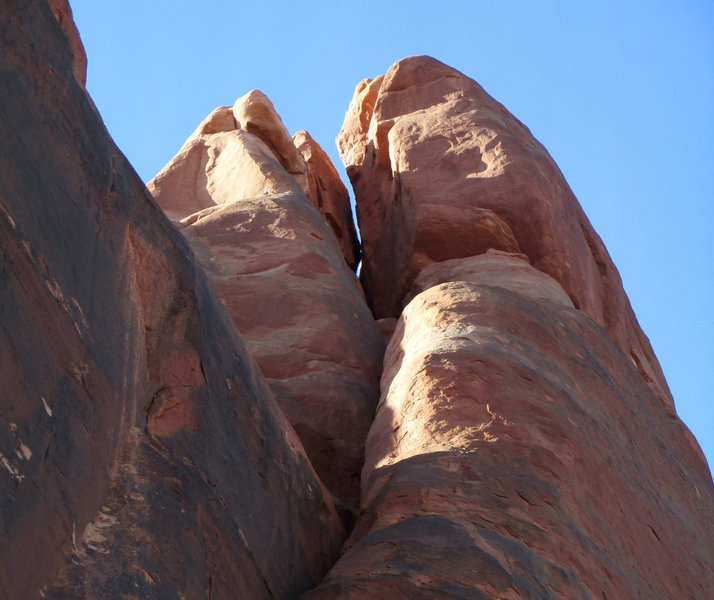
240	191
63	14
142	453
525	444
441	170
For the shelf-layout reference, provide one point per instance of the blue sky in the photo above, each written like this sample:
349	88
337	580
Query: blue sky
620	93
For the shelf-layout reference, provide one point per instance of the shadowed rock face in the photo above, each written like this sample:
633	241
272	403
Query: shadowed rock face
279	269
441	170
142	454
63	14
517	453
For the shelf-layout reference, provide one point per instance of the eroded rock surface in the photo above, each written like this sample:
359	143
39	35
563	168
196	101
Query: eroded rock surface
330	195
279	269
525	444
441	170
142	454
517	453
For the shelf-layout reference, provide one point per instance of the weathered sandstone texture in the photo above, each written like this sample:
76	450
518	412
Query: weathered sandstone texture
237	190
245	151
141	452
517	453
524	445
441	170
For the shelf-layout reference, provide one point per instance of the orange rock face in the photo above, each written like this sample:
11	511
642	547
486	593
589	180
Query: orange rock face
233	154
441	170
517	453
279	269
141	452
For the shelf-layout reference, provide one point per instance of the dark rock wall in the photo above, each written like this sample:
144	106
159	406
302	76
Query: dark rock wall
142	452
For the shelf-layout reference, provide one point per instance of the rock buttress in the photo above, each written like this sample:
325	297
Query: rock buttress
525	444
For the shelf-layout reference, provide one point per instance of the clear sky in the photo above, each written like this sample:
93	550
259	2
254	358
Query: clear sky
621	93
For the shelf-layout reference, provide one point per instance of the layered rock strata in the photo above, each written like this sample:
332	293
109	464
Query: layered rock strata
238	190
517	453
142	454
441	170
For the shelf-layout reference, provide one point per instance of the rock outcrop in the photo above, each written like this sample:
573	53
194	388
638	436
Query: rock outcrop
441	170
63	14
238	190
330	195
517	453
524	445
142	454
212	169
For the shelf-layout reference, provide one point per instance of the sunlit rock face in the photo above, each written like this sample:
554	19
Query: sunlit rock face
232	156
440	170
517	453
525	444
238	190
522	442
141	452
63	14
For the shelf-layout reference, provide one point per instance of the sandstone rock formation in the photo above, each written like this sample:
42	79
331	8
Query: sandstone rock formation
209	169
330	195
142	454
517	453
237	190
525	444
441	170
